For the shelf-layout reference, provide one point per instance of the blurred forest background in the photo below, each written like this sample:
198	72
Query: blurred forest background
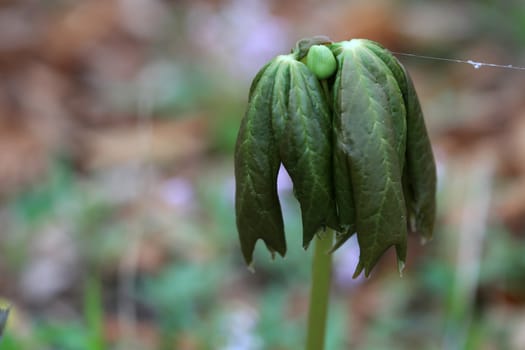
118	120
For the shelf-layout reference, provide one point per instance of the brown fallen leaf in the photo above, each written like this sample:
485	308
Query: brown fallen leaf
144	333
74	30
376	20
160	142
513	146
510	206
24	157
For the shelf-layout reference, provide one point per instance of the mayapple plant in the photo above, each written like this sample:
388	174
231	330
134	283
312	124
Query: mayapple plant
344	120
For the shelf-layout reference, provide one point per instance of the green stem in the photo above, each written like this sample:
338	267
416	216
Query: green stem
319	294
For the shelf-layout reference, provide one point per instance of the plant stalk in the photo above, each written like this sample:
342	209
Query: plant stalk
320	292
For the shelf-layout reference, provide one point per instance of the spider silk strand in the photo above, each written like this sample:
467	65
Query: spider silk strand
474	64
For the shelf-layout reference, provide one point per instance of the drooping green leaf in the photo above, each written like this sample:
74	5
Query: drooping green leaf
344	196
420	165
396	108
385	68
419	178
258	211
302	126
370	145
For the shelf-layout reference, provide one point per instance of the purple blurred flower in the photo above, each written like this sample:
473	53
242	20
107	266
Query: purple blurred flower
178	192
4	314
242	33
284	182
345	261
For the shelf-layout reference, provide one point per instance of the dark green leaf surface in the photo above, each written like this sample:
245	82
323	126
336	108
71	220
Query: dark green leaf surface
369	143
281	91
398	116
420	165
396	108
258	76
257	206
399	73
394	99
342	163
302	125
392	63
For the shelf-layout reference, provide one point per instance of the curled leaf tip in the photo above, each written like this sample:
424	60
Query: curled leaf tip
358	269
341	239
424	240
400	267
